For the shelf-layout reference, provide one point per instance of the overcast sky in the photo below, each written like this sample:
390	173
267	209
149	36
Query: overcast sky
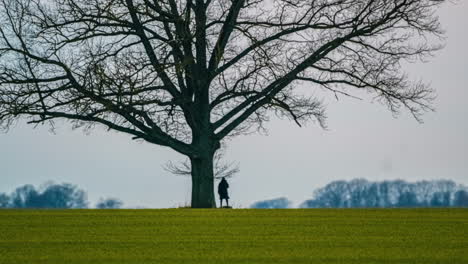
363	141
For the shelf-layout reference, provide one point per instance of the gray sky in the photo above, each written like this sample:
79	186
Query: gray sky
363	141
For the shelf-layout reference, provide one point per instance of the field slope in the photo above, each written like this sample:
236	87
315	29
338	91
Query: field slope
377	236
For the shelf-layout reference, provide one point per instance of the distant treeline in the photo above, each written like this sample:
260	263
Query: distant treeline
360	193
66	196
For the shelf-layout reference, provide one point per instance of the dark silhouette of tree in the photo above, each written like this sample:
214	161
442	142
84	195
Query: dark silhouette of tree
461	199
63	196
4	200
335	194
358	193
53	196
25	197
440	199
408	199
382	192
279	203
109	203
186	74
373	198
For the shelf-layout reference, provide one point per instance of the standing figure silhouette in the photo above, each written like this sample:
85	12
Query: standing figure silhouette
223	192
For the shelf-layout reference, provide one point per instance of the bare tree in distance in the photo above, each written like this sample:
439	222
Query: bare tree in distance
187	74
109	203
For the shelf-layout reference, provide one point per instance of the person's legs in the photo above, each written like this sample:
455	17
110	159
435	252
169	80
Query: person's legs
227	202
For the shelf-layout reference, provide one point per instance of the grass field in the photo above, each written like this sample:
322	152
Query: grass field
234	236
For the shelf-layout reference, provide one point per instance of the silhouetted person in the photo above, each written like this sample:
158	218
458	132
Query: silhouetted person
223	192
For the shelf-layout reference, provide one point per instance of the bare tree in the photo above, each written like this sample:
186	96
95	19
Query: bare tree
186	74
109	203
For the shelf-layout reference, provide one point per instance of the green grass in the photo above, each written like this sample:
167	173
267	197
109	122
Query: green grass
234	236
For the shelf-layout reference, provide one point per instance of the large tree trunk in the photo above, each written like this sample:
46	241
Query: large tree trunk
203	182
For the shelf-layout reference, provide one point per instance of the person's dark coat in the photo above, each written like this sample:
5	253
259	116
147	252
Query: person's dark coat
222	189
